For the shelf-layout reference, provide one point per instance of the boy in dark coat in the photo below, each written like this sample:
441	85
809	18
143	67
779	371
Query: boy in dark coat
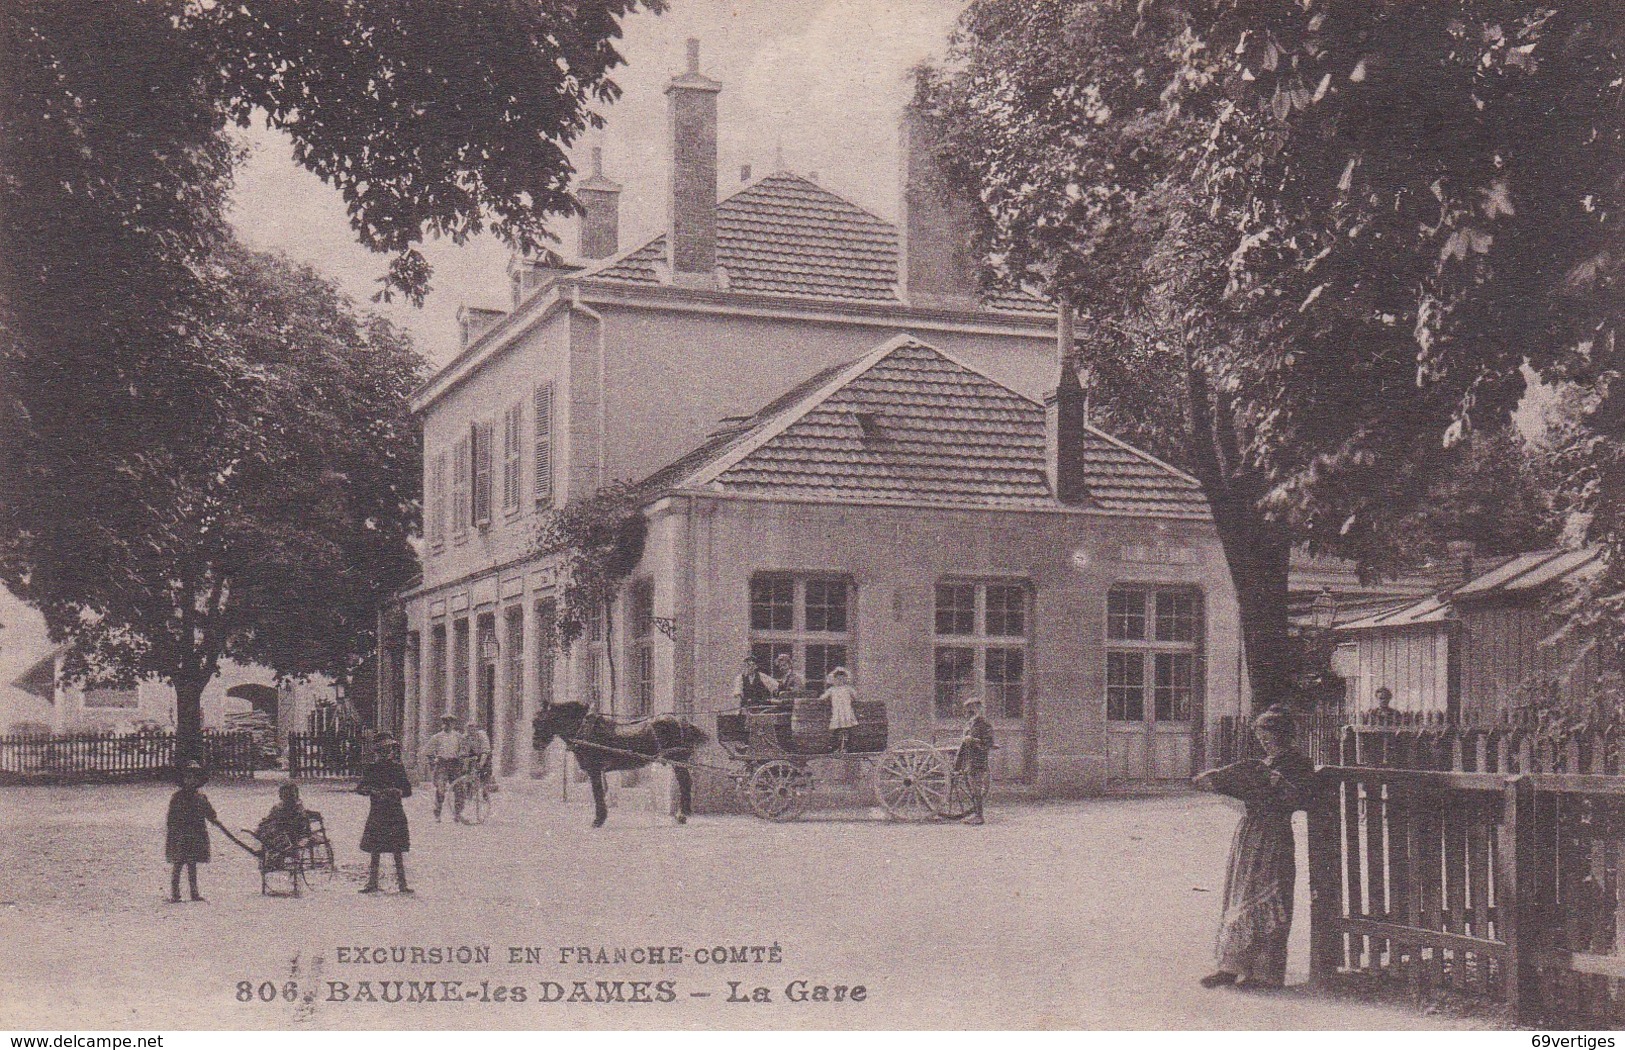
186	838
386	783
971	761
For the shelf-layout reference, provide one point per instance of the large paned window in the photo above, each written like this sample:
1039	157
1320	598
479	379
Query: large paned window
641	650
1153	654
593	651
546	641
807	616
981	633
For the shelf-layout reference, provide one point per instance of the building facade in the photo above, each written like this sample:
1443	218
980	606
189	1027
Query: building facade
643	366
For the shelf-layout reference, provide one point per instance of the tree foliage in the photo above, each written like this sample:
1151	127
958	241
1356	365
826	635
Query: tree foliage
280	524
1312	243
1499	491
430	117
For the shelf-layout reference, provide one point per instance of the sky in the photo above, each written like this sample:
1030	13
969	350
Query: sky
822	80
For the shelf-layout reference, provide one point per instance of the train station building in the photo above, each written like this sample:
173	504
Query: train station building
848	454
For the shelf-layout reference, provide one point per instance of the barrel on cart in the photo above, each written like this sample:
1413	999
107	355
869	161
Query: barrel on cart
779	746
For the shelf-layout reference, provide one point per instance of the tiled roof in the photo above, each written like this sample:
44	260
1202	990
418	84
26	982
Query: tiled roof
907	424
787	236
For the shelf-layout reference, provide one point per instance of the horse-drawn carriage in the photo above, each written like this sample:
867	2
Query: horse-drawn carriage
779	752
782	751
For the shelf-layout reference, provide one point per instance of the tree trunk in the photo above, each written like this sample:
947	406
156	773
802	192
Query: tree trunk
1259	560
1257	551
189	718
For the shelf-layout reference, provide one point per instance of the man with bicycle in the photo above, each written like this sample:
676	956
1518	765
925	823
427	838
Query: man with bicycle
971	761
445	752
477	750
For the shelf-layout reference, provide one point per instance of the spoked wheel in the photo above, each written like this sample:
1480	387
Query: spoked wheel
476	803
961	800
777	791
912	781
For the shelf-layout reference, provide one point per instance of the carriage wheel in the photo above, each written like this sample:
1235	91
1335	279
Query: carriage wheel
777	791
913	780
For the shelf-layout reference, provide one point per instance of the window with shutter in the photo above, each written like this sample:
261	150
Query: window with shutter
461	475
512	421
437	501
544	443
481	435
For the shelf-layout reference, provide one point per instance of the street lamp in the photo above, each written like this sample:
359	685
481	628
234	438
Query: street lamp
1323	614
489	649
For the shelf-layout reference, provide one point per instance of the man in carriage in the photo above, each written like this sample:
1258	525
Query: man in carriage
753	690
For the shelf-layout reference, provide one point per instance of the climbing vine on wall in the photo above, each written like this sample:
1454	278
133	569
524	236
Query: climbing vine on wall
598	541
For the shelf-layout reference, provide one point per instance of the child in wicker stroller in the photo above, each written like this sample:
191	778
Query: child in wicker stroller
288	839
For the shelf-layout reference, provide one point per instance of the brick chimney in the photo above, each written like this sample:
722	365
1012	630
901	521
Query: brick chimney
601	211
691	233
937	267
1066	415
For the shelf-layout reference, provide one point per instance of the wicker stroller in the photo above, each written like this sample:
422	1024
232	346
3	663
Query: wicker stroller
292	848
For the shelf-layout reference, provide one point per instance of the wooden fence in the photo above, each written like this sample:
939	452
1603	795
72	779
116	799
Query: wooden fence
1490	867
324	756
80	757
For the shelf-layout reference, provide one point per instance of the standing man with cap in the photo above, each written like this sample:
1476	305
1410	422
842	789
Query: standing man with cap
971	761
445	752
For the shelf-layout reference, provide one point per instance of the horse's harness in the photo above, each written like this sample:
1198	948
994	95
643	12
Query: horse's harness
589	718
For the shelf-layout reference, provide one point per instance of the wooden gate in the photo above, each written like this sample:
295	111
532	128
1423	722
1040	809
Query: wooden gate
1501	885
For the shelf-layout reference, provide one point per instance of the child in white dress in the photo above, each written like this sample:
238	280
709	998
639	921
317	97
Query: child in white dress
842	717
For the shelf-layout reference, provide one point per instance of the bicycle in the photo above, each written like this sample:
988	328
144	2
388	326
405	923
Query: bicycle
471	793
966	789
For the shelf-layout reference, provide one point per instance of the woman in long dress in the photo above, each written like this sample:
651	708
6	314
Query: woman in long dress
1263	868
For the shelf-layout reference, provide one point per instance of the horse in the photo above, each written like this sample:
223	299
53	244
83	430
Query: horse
601	746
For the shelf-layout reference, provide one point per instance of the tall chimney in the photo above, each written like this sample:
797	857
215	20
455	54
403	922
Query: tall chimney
1457	568
692	203
475	321
1066	416
601	211
937	266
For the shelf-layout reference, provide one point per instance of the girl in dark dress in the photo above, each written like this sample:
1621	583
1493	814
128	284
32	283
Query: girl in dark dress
385	782
1259	884
186	838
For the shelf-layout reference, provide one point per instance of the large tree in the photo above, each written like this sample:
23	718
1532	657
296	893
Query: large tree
283	523
430	117
1311	243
